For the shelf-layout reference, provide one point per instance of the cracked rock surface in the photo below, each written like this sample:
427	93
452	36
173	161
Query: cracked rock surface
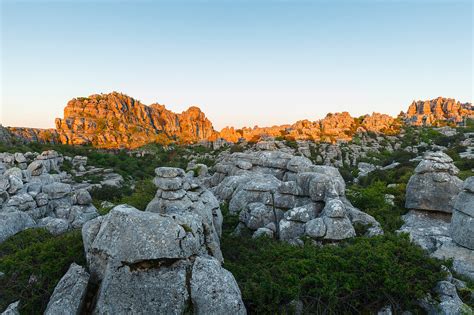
278	194
165	260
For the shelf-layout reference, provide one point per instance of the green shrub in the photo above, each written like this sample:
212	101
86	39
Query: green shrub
109	193
143	193
359	276
33	263
236	148
371	200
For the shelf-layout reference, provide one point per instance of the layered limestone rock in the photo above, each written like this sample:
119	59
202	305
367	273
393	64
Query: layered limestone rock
441	234
32	194
433	112
158	262
116	120
179	192
287	197
337	126
434	186
462	222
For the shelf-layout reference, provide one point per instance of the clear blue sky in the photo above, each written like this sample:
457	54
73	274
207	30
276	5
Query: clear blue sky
242	62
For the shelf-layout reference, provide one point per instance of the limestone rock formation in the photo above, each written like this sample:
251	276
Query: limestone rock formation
116	120
433	112
432	232
147	262
337	126
33	194
286	196
462	222
179	192
434	185
69	294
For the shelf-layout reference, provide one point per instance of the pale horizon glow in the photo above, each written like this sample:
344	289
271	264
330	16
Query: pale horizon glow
244	63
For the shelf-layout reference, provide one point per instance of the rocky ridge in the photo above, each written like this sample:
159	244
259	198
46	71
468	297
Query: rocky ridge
437	111
116	120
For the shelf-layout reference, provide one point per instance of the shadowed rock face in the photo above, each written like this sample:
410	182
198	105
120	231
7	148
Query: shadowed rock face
437	110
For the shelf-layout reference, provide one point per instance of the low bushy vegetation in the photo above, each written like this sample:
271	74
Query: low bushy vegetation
33	262
121	161
138	197
371	200
359	276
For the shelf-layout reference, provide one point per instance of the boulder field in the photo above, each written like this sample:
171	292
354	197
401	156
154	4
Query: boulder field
35	193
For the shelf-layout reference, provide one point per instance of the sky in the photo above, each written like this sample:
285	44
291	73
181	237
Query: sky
244	63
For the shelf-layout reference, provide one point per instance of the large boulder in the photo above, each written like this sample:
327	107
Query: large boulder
14	222
462	222
150	268
70	292
433	234
214	289
434	185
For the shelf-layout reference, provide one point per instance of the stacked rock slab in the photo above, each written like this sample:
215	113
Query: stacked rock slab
434	186
166	260
31	196
179	192
288	197
442	234
462	222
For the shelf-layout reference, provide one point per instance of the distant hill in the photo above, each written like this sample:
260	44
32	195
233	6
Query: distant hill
116	120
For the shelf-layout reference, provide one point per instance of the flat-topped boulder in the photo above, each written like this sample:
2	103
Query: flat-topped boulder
434	186
148	262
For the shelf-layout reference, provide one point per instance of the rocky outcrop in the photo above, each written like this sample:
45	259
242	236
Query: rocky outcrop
437	111
434	185
164	264
334	127
116	120
180	193
69	295
33	194
287	197
25	135
462	222
432	232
